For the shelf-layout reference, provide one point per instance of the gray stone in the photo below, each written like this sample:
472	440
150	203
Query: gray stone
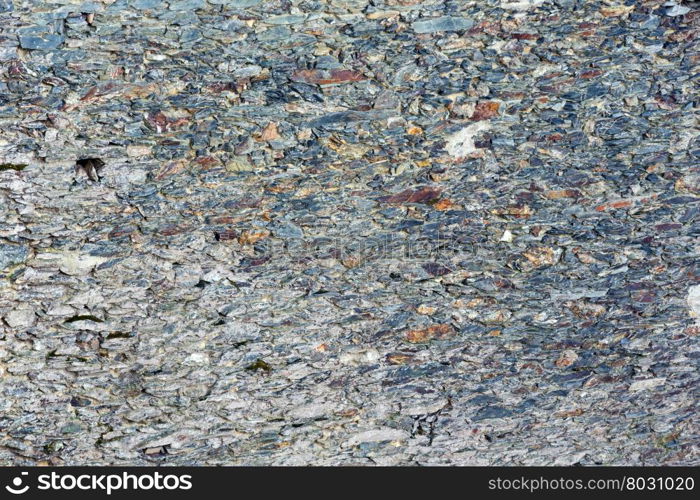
489	412
146	4
236	3
677	10
186	4
349	233
444	23
12	254
22	317
288	230
46	41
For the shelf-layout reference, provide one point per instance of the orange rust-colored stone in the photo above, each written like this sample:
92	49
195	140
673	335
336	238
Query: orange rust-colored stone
252	237
434	332
614	204
443	204
564	193
398	358
269	133
485	110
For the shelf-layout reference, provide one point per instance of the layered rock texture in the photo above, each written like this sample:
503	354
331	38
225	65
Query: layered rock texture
387	232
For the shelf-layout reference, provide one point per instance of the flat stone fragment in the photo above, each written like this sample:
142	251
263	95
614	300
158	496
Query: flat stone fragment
288	230
677	10
146	4
444	23
461	143
643	385
12	254
186	4
491	412
378	435
434	332
520	5
285	19
694	301
40	42
22	317
236	3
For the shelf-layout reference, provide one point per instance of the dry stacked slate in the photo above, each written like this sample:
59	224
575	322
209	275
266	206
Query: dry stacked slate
349	232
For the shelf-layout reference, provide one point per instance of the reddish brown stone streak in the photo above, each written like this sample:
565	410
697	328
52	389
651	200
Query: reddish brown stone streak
525	36
161	123
323	77
422	195
485	110
591	73
174	229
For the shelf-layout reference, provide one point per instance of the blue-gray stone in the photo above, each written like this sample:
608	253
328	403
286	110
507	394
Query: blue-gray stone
483	399
7	53
33	30
677	10
651	23
502	142
444	23
190	35
236	3
40	42
275	34
146	4
6	6
488	412
573	379
12	254
288	230
285	19
187	4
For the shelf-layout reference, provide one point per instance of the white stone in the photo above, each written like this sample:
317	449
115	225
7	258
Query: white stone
22	317
61	310
650	383
360	357
694	301
197	358
461	143
507	236
378	435
71	263
424	406
520	5
677	10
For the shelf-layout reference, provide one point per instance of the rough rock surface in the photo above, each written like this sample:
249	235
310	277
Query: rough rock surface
349	232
